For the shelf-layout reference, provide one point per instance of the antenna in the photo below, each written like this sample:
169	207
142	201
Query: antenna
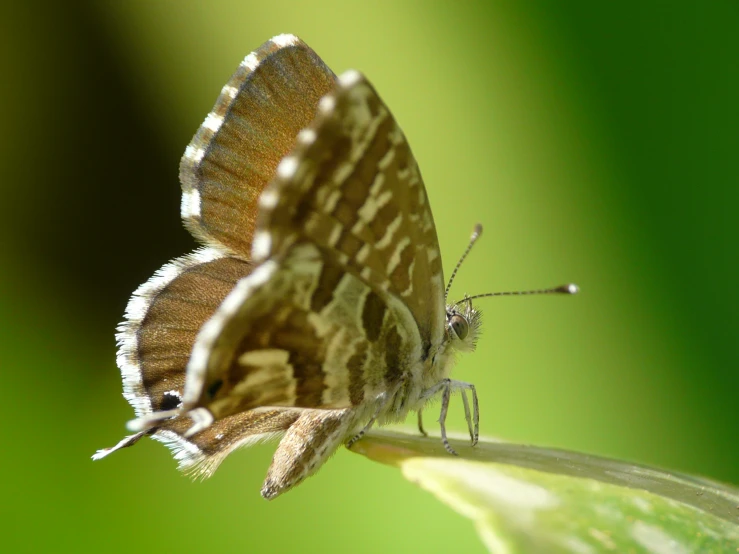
476	232
570	288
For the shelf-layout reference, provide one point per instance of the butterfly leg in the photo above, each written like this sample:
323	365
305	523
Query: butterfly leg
420	423
445	397
307	444
473	424
370	423
444	385
473	420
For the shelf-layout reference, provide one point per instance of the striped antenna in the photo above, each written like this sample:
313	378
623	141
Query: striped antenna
570	288
476	232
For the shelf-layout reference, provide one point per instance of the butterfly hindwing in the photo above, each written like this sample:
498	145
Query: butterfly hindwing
201	454
163	319
279	340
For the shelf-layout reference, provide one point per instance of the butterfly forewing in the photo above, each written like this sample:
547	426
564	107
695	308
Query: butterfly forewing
253	125
352	253
352	186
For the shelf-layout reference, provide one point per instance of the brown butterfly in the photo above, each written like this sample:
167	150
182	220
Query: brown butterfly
317	307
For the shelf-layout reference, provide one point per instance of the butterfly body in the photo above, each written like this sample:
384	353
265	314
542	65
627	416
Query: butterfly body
317	307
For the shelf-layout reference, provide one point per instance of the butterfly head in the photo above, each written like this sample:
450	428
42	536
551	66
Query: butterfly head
462	320
462	325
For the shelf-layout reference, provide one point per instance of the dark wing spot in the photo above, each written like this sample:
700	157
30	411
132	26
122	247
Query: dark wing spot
373	314
169	402
214	387
331	275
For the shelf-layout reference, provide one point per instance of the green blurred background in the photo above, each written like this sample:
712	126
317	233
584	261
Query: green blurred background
596	143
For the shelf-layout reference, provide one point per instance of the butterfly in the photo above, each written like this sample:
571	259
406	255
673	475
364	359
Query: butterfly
317	306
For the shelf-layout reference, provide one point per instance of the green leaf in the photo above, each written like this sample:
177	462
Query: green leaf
531	499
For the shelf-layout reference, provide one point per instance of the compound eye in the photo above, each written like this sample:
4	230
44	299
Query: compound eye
460	326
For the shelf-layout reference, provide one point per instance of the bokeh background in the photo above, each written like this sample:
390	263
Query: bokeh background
597	143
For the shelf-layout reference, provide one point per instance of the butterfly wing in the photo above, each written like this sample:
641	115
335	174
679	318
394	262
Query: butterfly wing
272	96
352	187
163	319
349	294
327	319
276	340
228	163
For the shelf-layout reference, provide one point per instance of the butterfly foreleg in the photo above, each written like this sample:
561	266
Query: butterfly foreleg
473	425
448	386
